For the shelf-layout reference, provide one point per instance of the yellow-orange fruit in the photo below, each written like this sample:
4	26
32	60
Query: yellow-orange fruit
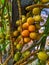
25	26
26	40
30	20
33	35
15	33
25	33
31	28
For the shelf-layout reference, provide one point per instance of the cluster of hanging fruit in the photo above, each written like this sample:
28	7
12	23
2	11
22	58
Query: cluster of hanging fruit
29	30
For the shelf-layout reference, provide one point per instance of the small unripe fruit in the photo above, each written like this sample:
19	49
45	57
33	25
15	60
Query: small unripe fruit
15	43
37	18
18	46
17	56
25	54
36	11
18	22
23	19
42	56
19	29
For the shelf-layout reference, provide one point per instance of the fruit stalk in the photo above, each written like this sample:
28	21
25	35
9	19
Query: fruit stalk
7	59
30	60
36	5
0	57
24	59
12	49
20	16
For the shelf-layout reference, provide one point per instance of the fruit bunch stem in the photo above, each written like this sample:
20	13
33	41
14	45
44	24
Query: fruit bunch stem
29	61
24	59
36	5
20	17
6	61
0	58
12	48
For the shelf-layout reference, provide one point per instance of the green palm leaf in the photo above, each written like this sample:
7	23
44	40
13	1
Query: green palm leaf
46	33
